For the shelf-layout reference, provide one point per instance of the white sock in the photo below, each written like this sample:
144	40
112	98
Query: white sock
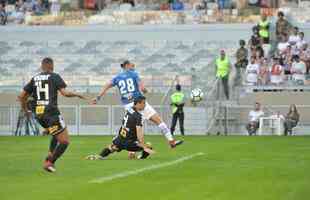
165	131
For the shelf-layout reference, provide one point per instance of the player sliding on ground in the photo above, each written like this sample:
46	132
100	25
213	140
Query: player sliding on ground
44	88
130	136
130	87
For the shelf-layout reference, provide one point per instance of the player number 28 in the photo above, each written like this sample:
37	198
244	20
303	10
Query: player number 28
126	86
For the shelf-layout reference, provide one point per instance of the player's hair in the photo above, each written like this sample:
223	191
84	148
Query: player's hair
47	60
178	87
139	99
126	62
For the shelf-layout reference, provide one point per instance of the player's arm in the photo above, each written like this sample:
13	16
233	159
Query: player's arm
69	94
140	136
104	90
23	100
61	87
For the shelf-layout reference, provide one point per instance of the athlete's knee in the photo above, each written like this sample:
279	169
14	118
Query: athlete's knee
156	119
63	138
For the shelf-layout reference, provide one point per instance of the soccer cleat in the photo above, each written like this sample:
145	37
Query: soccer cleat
175	143
94	157
49	166
143	155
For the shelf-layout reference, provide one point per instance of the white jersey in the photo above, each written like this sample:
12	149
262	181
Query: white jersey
252	71
147	113
254	115
293	39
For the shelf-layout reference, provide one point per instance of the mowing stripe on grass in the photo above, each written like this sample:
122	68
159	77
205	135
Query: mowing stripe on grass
149	168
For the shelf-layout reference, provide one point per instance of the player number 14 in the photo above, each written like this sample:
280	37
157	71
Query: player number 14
40	89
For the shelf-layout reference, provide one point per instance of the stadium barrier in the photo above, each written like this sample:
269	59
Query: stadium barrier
106	119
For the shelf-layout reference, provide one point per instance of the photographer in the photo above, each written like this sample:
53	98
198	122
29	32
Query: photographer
27	121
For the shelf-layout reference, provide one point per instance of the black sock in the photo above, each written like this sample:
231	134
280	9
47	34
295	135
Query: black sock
53	144
105	152
144	155
60	149
52	147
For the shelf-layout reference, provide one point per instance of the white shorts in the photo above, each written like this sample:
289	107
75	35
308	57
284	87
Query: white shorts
147	113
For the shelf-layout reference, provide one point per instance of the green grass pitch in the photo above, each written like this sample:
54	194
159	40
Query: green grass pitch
232	168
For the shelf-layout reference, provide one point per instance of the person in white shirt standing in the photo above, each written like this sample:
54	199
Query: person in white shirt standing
252	71
298	70
254	116
282	45
301	41
294	38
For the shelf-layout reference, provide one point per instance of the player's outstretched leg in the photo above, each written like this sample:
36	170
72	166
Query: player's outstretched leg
165	131
104	153
63	143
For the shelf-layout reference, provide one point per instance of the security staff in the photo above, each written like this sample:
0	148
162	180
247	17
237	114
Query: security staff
263	27
222	71
177	103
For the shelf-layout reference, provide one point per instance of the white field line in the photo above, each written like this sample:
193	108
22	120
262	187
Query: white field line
148	168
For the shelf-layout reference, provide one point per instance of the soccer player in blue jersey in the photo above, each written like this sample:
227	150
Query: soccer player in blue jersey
130	87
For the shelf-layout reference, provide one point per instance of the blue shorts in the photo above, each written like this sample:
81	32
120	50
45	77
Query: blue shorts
221	4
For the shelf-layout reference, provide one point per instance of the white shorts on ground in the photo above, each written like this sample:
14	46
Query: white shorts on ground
147	113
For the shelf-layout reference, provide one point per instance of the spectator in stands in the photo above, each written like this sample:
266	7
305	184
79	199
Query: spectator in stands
293	40
252	71
221	4
298	70
291	120
294	37
263	27
283	44
222	73
19	14
263	73
282	26
286	60
259	53
3	15
177	5
131	2
242	62
305	56
276	72
255	40
101	4
39	8
254	116
29	5
301	41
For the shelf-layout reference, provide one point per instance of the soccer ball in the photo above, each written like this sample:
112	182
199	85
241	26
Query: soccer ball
196	95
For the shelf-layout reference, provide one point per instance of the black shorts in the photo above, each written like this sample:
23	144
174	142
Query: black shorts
266	40
55	124
126	144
